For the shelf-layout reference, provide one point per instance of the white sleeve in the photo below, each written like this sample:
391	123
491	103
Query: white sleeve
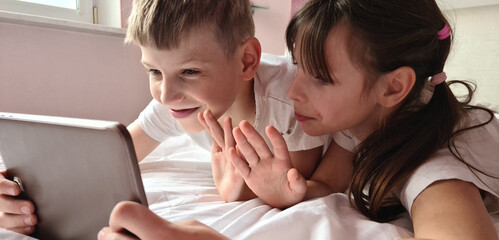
344	140
297	140
478	147
443	166
157	122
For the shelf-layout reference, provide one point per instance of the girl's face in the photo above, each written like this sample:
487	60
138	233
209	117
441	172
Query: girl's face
343	105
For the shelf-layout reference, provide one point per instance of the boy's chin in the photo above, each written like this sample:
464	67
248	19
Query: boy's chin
191	127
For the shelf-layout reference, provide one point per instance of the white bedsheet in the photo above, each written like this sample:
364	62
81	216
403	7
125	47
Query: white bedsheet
187	191
179	186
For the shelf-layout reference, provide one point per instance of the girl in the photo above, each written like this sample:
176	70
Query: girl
373	70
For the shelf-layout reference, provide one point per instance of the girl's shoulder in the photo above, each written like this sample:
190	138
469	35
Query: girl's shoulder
478	148
484	127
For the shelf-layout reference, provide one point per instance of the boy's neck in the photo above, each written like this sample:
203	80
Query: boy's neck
244	107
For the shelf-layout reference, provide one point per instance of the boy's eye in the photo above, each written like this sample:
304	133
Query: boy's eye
154	72
190	72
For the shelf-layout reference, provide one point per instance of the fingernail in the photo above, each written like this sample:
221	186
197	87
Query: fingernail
28	230
11	192
28	221
100	236
25	210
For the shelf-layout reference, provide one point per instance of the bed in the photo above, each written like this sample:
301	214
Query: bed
178	182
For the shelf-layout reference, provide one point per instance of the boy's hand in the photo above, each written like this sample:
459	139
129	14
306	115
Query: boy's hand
228	181
15	214
130	220
271	176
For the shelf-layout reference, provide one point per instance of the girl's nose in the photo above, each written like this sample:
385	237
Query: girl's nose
296	89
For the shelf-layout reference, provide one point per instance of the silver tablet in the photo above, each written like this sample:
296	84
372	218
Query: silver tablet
74	170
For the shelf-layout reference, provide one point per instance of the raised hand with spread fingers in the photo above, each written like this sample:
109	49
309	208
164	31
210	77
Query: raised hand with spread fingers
228	181
273	177
270	175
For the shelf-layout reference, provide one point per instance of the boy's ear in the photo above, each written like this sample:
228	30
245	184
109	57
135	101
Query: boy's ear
398	84
252	52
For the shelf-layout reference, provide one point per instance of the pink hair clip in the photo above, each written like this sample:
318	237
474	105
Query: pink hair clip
438	78
444	33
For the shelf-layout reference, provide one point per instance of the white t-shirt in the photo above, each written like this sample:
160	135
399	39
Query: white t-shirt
479	148
273	78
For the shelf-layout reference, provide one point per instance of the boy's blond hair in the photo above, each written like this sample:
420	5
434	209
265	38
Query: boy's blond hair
162	23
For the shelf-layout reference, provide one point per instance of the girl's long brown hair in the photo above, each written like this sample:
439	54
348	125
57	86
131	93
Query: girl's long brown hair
384	35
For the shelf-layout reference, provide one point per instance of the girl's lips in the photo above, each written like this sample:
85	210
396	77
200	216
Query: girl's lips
301	118
182	113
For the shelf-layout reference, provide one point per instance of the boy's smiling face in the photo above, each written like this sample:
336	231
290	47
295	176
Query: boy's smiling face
194	77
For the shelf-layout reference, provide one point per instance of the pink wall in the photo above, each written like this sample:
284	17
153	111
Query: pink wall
271	23
126	8
68	73
296	4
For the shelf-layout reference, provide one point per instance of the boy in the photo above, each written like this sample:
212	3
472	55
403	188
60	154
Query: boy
199	59
206	62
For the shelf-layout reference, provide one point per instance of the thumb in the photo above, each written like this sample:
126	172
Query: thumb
297	183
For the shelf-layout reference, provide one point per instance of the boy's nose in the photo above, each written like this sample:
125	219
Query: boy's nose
170	92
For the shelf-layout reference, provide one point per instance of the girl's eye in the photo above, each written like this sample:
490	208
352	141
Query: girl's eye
190	72
322	81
